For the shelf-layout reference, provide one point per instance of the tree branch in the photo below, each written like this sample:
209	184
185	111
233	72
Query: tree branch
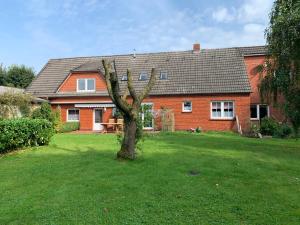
114	89
130	86
107	78
149	86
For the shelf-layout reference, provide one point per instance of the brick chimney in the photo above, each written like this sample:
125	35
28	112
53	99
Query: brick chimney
196	48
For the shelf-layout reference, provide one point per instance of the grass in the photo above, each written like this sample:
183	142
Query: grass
76	180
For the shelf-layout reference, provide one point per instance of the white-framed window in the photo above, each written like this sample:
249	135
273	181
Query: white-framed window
163	75
146	115
86	85
222	109
187	106
73	115
259	111
124	77
143	76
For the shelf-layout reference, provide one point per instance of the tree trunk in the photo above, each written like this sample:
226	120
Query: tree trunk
127	150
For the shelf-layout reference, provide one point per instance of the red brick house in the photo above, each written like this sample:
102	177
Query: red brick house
208	88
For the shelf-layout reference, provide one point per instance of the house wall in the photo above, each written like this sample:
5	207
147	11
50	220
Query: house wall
200	115
254	77
85	115
70	84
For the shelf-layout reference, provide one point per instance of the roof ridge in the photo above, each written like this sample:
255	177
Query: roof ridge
150	53
116	55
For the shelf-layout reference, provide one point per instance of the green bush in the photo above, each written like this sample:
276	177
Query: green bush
56	115
19	133
198	130
268	126
283	131
69	126
43	112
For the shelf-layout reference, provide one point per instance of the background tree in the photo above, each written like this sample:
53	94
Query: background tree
283	61
129	110
2	75
19	76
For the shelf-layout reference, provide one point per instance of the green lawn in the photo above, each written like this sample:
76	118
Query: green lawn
76	180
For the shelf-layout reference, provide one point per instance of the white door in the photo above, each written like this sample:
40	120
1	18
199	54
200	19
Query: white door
97	120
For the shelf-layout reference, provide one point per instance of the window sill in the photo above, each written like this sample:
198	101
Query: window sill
148	128
222	119
254	119
85	91
187	111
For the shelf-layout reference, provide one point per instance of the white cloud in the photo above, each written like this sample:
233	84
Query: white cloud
222	15
254	28
145	26
248	11
255	10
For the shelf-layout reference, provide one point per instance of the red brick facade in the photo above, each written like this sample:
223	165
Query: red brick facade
254	77
201	104
70	84
200	115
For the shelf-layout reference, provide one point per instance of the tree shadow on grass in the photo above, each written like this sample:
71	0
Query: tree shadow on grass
235	144
77	182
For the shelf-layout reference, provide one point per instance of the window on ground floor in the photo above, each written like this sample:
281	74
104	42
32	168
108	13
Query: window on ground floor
73	115
259	111
187	106
146	115
222	109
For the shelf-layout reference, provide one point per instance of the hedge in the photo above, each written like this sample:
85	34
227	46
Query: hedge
24	132
69	126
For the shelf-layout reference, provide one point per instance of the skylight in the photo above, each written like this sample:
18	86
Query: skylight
163	75
143	76
124	77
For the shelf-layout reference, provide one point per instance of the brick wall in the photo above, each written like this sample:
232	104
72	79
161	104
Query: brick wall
251	63
201	111
70	84
200	115
85	114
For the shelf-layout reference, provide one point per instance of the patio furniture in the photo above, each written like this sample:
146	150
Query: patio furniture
110	126
120	123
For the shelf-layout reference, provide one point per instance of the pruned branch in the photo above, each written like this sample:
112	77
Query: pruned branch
125	94
130	86
149	86
107	78
114	88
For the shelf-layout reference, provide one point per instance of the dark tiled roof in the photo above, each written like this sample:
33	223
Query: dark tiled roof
211	71
253	50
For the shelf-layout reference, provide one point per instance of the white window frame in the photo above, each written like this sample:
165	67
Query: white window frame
86	85
222	110
124	77
143	116
258	111
143	73
67	119
187	110
163	72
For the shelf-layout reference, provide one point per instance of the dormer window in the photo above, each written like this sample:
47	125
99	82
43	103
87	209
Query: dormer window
124	77
143	76
86	85
163	75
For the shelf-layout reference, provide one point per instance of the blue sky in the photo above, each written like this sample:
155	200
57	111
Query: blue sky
34	31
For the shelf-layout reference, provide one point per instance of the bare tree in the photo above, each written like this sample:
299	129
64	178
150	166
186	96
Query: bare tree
130	109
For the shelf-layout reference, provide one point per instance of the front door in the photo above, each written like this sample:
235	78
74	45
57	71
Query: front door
98	120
